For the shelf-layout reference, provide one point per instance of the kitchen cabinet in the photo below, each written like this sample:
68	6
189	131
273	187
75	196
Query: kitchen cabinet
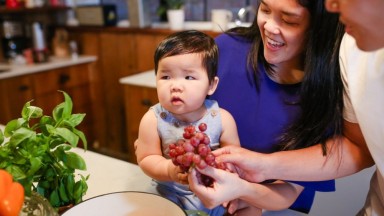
14	93
42	88
137	102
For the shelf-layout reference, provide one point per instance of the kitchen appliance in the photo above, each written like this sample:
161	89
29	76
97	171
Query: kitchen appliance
13	39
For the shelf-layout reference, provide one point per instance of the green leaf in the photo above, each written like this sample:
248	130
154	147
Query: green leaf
35	165
54	198
1	137
24	111
16	172
70	184
57	112
44	121
74	161
68	135
68	105
13	125
20	135
78	192
76	119
82	137
29	111
63	193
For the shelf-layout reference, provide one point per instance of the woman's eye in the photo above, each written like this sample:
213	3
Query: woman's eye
264	10
189	78
290	23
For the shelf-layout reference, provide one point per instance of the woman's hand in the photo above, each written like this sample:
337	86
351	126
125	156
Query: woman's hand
241	208
226	187
249	165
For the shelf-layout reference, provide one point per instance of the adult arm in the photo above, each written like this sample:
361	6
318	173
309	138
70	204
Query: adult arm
347	155
228	186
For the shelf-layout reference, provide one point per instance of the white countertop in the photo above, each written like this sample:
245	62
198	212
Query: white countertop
144	79
19	70
109	175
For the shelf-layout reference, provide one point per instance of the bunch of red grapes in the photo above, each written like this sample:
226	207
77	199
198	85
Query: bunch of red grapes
194	150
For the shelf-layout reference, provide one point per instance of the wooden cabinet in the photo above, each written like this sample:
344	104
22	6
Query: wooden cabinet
137	102
43	88
14	93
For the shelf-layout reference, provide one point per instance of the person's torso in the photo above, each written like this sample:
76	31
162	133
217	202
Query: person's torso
171	129
365	80
261	116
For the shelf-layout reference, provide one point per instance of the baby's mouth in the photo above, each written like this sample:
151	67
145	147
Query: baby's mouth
176	100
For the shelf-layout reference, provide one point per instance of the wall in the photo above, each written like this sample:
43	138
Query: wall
196	10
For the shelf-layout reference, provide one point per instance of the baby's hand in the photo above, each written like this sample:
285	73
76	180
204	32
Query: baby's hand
177	174
183	178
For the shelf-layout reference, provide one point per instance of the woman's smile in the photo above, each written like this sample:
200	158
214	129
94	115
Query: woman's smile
273	45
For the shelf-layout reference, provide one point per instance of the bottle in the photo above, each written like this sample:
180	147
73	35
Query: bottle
39	47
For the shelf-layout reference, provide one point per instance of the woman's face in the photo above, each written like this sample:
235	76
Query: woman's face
363	20
283	25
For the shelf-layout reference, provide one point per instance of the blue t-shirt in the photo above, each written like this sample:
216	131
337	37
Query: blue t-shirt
261	115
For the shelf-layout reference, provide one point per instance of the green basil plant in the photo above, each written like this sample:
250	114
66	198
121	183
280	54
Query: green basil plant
35	149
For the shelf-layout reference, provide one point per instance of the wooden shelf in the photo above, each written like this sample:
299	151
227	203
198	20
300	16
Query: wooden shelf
45	9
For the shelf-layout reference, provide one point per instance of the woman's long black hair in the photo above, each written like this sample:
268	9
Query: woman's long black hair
321	89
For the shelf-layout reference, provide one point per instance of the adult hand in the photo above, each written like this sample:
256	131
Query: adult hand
227	186
249	165
240	207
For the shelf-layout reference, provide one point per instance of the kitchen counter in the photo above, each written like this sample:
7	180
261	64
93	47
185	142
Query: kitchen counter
144	79
19	70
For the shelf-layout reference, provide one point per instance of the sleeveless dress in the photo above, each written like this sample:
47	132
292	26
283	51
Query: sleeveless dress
170	130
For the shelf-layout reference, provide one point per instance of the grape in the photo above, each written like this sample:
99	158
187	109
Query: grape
202	127
194	150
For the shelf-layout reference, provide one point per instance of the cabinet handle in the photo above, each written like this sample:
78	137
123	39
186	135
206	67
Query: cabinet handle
64	78
146	102
23	88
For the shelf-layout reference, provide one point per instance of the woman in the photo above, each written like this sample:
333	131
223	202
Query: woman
280	80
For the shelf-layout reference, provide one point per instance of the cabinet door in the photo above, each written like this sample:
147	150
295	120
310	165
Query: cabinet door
73	80
90	44
15	92
137	102
47	84
146	45
117	60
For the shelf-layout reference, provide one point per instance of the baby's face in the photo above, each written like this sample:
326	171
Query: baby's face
182	83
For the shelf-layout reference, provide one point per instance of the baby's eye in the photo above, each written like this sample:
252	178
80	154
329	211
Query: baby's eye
165	77
189	78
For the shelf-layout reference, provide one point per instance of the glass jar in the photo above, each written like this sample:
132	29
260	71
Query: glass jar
37	205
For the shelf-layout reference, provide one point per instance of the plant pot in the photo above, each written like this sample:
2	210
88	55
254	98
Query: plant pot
176	19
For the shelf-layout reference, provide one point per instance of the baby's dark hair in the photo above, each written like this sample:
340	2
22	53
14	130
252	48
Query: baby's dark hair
186	42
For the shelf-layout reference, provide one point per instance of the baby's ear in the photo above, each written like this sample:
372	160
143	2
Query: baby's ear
213	85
